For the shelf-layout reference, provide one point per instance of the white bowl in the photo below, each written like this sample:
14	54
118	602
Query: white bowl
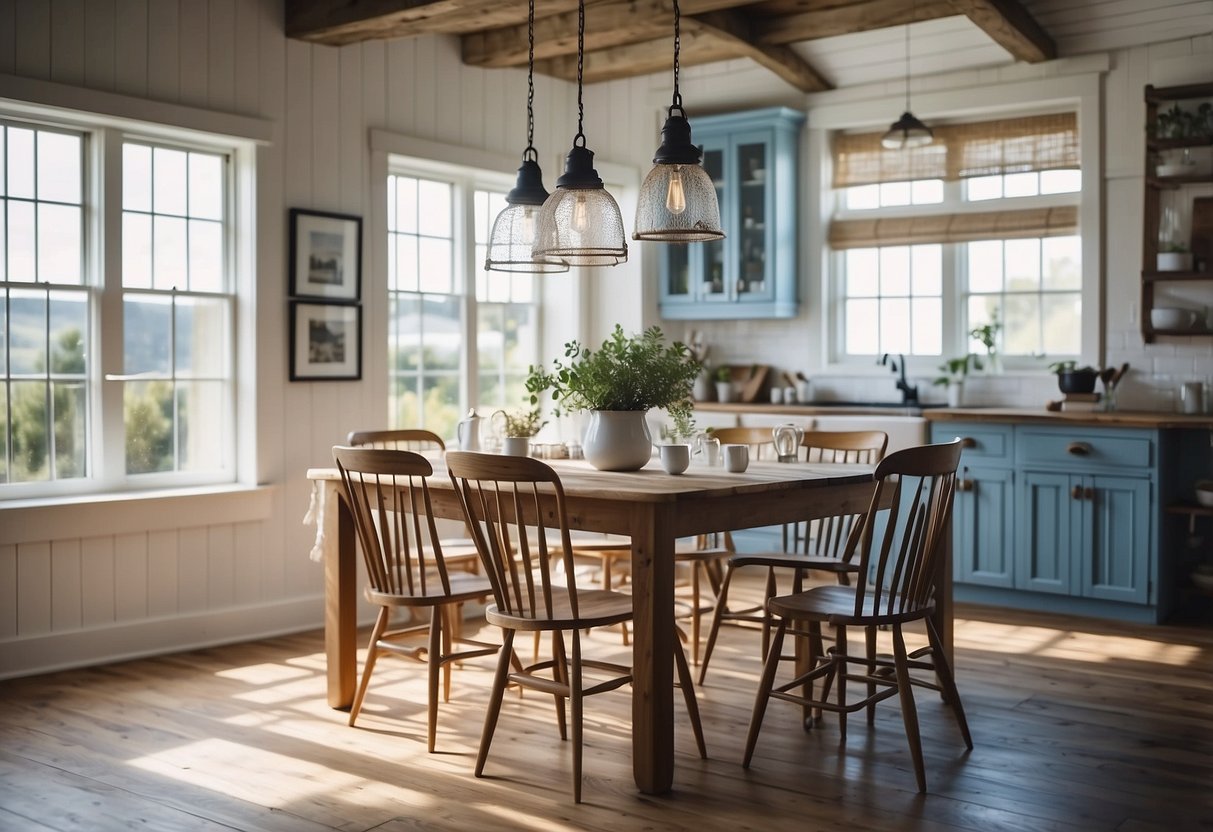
1169	317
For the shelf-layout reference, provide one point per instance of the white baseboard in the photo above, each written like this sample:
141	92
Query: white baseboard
120	642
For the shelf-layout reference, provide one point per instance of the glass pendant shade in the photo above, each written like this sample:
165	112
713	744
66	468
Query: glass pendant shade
580	223
678	201
907	131
512	241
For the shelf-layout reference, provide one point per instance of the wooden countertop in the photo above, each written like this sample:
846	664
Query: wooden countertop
1022	415
1016	415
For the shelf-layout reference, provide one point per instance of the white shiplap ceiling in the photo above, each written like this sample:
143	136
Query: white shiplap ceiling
954	43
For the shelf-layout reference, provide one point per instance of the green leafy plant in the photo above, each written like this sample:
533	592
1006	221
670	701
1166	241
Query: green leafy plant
683	428
636	372
955	369
522	423
1060	367
1174	248
723	374
987	334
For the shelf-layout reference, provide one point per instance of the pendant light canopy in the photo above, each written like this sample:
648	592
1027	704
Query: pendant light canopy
907	131
678	201
580	223
512	242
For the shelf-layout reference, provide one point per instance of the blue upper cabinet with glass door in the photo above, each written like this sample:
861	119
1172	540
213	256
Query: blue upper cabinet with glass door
753	272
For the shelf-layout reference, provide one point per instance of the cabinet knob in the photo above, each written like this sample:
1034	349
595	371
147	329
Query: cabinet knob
1088	493
1076	492
965	485
967	442
1078	448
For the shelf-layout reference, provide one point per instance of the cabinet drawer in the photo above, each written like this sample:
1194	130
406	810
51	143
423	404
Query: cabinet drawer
981	442
1088	448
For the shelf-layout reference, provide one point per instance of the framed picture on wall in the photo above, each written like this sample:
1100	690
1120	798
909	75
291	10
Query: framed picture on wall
326	341
325	255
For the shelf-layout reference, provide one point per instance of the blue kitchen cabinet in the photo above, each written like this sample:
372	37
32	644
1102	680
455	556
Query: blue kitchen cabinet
752	273
982	512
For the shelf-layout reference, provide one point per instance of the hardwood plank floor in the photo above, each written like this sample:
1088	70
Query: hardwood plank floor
1077	725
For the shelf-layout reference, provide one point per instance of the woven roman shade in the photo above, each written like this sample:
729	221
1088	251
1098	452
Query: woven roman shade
985	148
955	228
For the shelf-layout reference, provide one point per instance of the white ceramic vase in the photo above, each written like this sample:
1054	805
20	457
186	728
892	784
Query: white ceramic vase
956	393
618	440
516	446
724	391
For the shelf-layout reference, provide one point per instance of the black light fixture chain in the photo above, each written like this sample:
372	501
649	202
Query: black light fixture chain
530	82
580	64
913	14
677	101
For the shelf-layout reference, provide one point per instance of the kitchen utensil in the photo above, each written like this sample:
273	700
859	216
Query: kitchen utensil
674	458
736	458
787	441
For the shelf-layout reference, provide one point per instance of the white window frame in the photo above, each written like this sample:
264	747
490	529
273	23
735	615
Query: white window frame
1025	90
468	170
107	119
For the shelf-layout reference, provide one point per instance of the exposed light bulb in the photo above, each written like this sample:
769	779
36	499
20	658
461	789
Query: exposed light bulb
675	195
580	221
528	222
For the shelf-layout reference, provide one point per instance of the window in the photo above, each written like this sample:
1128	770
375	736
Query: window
164	257
996	236
450	320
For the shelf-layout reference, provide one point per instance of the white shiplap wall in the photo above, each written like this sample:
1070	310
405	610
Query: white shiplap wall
168	576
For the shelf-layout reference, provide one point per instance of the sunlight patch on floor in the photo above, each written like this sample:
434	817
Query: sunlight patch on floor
1052	643
263	674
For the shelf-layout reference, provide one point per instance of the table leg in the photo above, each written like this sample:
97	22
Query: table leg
340	600
944	614
653	648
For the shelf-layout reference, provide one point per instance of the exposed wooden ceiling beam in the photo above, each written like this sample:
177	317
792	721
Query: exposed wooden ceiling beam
735	28
337	22
831	20
639	58
1009	25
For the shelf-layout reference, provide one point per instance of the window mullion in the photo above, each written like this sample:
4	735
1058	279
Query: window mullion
106	245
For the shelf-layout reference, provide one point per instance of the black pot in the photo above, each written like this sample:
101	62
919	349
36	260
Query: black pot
1077	381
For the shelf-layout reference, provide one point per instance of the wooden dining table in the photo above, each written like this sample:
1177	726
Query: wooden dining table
653	509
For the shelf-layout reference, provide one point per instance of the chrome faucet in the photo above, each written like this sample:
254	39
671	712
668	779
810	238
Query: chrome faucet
909	393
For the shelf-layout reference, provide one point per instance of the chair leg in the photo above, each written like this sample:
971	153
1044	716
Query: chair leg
560	670
770	592
494	709
696	571
764	691
840	659
688	693
870	640
717	617
450	627
433	665
574	682
909	713
948	682
372	653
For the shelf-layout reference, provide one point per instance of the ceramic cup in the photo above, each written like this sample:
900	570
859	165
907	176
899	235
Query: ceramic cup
776	395
736	458
674	458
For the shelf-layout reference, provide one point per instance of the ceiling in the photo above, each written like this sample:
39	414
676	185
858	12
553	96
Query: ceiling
812	45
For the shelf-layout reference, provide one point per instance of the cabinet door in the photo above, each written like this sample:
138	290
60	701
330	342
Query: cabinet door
709	273
1048	532
1116	522
749	254
982	529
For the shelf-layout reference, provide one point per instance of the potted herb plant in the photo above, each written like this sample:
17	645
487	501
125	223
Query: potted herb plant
1174	257
987	336
724	384
954	371
518	427
618	383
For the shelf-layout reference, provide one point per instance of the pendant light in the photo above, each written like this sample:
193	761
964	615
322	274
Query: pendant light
907	131
512	241
678	199
580	222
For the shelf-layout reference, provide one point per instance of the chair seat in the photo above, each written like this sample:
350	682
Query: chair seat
685	551
792	560
464	587
836	605
595	607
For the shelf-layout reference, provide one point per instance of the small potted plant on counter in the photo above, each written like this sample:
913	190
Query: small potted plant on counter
724	384
987	336
953	374
1174	257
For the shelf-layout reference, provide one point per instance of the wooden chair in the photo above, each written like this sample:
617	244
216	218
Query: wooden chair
535	590
400	439
895	585
811	545
405	566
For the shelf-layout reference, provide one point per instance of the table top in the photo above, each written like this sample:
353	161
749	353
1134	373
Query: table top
652	484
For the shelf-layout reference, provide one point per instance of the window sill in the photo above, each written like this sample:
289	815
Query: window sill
58	518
